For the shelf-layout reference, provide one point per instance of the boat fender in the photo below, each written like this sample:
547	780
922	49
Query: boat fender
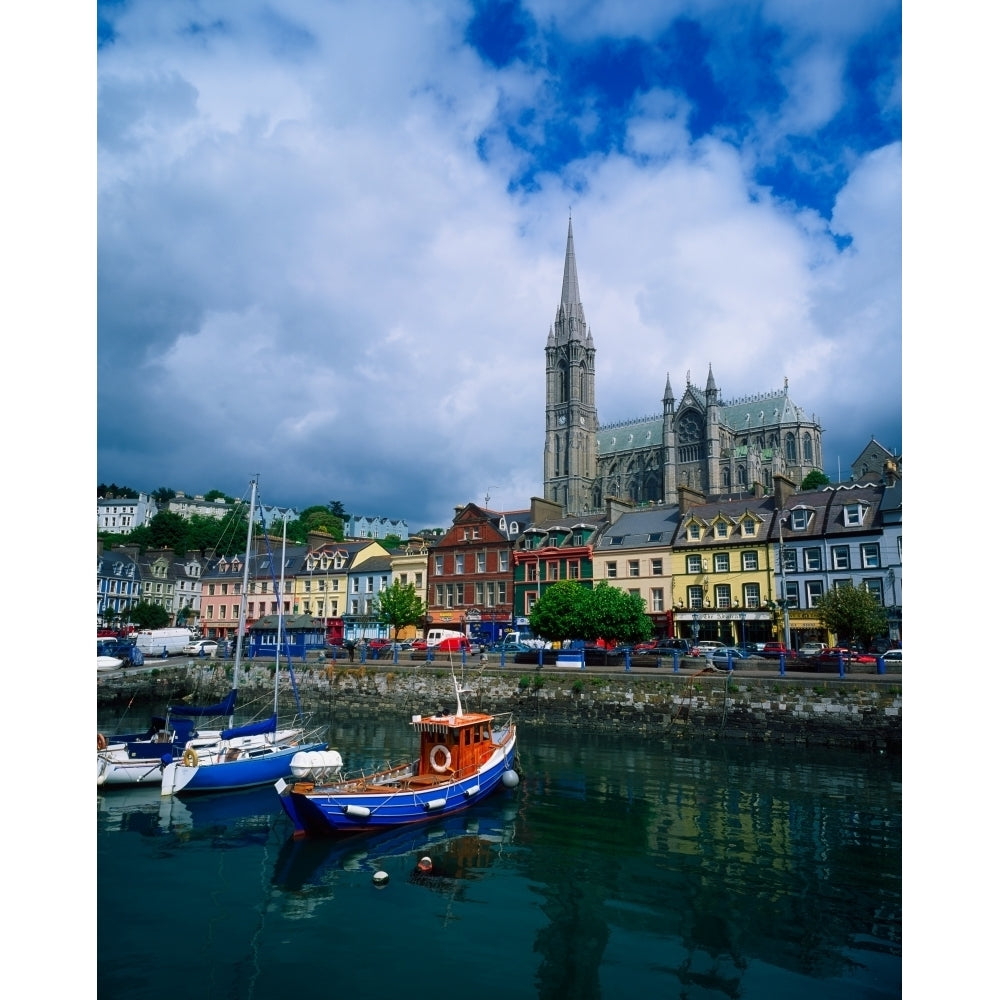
425	864
437	763
190	758
102	742
380	878
510	779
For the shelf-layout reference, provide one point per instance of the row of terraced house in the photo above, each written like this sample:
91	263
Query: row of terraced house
715	569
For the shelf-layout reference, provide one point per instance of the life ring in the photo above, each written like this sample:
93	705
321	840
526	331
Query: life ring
102	743
434	755
190	758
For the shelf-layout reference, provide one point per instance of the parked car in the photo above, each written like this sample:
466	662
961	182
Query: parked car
723	655
644	647
419	644
893	658
705	647
772	650
812	648
201	647
832	656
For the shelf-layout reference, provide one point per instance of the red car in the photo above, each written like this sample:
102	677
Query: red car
834	654
643	647
772	650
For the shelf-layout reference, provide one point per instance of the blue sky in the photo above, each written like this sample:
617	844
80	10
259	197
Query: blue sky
330	235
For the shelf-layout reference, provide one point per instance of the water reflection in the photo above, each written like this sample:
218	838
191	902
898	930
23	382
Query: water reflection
619	866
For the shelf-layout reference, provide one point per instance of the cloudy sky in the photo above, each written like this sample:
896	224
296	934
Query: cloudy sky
330	235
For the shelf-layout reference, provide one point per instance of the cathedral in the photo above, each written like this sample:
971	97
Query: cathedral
714	446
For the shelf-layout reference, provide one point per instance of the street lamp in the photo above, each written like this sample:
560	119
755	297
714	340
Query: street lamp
743	625
783	603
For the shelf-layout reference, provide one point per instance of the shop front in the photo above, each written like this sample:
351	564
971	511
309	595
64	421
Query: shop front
730	626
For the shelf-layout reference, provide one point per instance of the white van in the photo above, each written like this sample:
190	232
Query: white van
447	640
153	642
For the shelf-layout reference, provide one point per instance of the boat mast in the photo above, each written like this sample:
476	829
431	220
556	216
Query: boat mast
281	609
242	623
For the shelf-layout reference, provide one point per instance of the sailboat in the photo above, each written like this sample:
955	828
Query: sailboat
258	753
138	758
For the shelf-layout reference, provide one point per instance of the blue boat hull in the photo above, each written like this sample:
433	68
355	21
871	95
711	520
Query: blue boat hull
332	812
262	767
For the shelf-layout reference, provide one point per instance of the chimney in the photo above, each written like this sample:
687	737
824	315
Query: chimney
616	507
889	472
784	490
688	498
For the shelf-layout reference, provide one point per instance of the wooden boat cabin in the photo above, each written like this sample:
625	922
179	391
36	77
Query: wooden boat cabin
454	746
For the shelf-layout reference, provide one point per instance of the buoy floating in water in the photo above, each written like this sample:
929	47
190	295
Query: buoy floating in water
380	878
510	779
425	864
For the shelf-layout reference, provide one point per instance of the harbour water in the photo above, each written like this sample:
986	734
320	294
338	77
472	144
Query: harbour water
621	866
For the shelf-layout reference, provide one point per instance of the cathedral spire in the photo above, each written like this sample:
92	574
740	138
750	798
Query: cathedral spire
570	285
668	393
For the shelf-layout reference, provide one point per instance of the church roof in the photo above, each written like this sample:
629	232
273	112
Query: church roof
645	432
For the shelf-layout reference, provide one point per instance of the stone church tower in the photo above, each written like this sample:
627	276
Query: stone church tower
700	441
570	410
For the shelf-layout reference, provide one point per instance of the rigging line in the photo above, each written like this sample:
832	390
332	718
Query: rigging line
274	581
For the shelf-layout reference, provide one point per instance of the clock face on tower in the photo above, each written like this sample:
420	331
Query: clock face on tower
562	419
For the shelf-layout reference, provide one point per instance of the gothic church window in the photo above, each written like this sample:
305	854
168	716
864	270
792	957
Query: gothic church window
790	450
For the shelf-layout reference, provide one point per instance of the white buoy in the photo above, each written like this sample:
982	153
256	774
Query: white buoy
380	878
510	779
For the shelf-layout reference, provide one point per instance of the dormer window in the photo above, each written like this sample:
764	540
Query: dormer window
854	514
749	526
721	529
800	520
694	531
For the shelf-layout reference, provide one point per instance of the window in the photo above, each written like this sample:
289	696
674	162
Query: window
656	536
695	597
490	594
800	520
721	529
211	590
869	555
573	569
840	556
749	560
418	581
460	593
503	559
721	560
813	559
792	595
694	564
480	593
749	526
723	596
694	531
449	595
656	599
552	570
531	572
656	567
854	514
502	592
439	565
874	587
475	533
236	611
355	584
751	595
814	591
459	563
612	570
633	593
617	539
480	562
633	567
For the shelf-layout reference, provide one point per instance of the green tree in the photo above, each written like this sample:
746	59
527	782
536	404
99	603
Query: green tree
561	612
167	530
853	613
398	606
391	542
218	495
569	610
146	615
618	616
163	494
815	480
337	509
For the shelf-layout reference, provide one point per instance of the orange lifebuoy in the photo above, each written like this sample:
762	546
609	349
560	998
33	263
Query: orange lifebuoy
190	757
102	743
435	755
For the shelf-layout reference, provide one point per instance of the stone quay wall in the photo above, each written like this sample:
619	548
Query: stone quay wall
858	711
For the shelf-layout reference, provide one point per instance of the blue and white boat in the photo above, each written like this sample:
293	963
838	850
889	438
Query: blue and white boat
257	753
139	758
462	758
